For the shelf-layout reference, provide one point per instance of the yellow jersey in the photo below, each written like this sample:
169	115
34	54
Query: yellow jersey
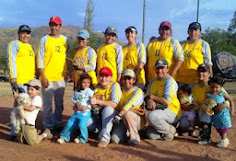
169	49
21	61
133	56
52	57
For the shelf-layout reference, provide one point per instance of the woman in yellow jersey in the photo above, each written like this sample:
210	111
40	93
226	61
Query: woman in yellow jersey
130	107
86	53
109	54
164	47
163	104
135	56
112	93
196	51
21	62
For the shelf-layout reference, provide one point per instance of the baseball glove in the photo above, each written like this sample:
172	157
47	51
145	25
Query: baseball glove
79	62
96	109
207	106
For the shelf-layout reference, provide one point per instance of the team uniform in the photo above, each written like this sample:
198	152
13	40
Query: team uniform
111	93
111	56
21	61
130	99
52	59
169	49
91	58
195	53
133	55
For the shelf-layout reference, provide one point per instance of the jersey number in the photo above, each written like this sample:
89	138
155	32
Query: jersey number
105	56
58	49
157	53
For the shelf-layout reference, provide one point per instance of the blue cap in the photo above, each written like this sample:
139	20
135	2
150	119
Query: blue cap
161	63
83	34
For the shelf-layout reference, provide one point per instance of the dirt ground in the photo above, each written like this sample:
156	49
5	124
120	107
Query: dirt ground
181	148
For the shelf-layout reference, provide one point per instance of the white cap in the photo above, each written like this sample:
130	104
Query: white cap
128	73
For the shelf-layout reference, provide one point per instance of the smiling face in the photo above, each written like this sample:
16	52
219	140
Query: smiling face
194	34
55	29
24	37
104	80
203	76
110	38
85	84
127	82
82	42
32	91
161	72
214	88
131	36
164	32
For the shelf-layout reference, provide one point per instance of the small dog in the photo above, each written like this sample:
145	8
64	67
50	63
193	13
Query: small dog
18	114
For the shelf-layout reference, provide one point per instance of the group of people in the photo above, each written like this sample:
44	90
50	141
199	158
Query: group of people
159	88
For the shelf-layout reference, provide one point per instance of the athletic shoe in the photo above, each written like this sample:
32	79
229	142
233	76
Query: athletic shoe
223	143
76	140
170	136
102	144
204	141
49	134
61	141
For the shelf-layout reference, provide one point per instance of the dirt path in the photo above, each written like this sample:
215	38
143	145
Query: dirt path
181	148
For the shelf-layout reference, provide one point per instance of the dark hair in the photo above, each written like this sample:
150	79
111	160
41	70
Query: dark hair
185	89
82	77
217	80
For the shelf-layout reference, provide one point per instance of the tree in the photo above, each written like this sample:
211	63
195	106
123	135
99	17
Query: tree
89	15
219	40
232	25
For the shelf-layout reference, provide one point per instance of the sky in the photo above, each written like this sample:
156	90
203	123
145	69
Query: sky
121	14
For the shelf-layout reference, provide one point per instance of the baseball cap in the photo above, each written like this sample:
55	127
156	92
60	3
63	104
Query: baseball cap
165	24
196	25
128	73
24	28
131	28
34	83
83	34
110	30
56	20
106	71
161	63
206	68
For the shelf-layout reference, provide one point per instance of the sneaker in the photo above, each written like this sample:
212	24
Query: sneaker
133	142
170	136
223	143
61	141
76	140
204	141
49	134
12	137
102	144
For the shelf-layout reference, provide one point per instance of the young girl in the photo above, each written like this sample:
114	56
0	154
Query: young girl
221	120
188	113
82	107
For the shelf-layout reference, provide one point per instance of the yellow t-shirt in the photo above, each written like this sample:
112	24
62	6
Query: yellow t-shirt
169	49
167	88
110	55
21	60
90	57
194	54
133	55
52	57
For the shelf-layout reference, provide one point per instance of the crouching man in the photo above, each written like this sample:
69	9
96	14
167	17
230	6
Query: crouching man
130	111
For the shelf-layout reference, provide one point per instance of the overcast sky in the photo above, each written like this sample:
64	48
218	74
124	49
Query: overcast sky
121	14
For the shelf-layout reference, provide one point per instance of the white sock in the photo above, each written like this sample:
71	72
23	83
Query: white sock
45	135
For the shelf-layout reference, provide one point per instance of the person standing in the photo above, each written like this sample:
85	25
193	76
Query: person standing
89	56
135	56
109	54
21	62
164	47
196	51
51	61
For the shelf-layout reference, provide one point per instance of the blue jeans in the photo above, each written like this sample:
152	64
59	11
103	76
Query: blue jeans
77	119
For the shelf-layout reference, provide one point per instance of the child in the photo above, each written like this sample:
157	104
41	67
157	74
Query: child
188	113
221	120
82	108
28	132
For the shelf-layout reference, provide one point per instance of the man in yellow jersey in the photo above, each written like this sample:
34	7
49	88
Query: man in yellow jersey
21	63
128	117
112	93
199	90
135	56
51	61
196	51
109	54
164	47
162	100
89	56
